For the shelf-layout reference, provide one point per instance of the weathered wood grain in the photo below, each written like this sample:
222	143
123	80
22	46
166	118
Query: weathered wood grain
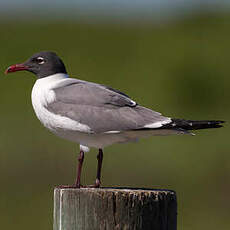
114	209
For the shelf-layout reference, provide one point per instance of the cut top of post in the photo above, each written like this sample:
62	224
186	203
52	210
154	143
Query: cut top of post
114	208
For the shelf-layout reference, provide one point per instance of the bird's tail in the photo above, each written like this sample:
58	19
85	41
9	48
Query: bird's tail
194	125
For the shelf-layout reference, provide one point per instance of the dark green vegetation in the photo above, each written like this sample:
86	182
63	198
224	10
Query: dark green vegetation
181	69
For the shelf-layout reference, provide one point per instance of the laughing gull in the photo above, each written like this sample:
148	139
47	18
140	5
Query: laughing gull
92	114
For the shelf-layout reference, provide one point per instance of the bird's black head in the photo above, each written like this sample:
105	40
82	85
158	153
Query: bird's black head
43	64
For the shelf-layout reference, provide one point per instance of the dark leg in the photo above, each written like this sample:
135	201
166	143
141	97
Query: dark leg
99	165
77	183
80	163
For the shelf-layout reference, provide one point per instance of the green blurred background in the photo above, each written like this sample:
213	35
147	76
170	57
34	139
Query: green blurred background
178	67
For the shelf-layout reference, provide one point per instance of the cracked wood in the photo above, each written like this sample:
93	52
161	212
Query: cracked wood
114	208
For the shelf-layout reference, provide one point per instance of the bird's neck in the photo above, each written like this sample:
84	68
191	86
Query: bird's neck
51	81
54	77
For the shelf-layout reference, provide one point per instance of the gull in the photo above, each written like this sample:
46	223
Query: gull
91	114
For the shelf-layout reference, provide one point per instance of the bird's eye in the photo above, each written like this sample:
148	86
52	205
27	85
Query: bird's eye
40	60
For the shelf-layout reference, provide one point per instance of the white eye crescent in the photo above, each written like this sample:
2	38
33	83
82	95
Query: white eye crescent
40	60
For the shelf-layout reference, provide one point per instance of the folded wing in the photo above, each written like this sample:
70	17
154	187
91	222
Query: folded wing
103	109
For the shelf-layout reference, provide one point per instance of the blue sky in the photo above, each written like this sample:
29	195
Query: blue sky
109	3
123	8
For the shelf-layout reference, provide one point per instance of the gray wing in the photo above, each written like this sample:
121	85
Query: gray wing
87	93
101	108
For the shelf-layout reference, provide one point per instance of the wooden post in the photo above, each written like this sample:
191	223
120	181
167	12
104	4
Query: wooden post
114	209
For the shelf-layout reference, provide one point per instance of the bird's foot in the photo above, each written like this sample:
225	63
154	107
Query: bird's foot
96	185
70	186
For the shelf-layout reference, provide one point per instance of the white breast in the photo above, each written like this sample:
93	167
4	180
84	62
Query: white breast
42	95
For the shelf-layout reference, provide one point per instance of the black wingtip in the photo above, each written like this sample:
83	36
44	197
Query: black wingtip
222	121
216	124
194	125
